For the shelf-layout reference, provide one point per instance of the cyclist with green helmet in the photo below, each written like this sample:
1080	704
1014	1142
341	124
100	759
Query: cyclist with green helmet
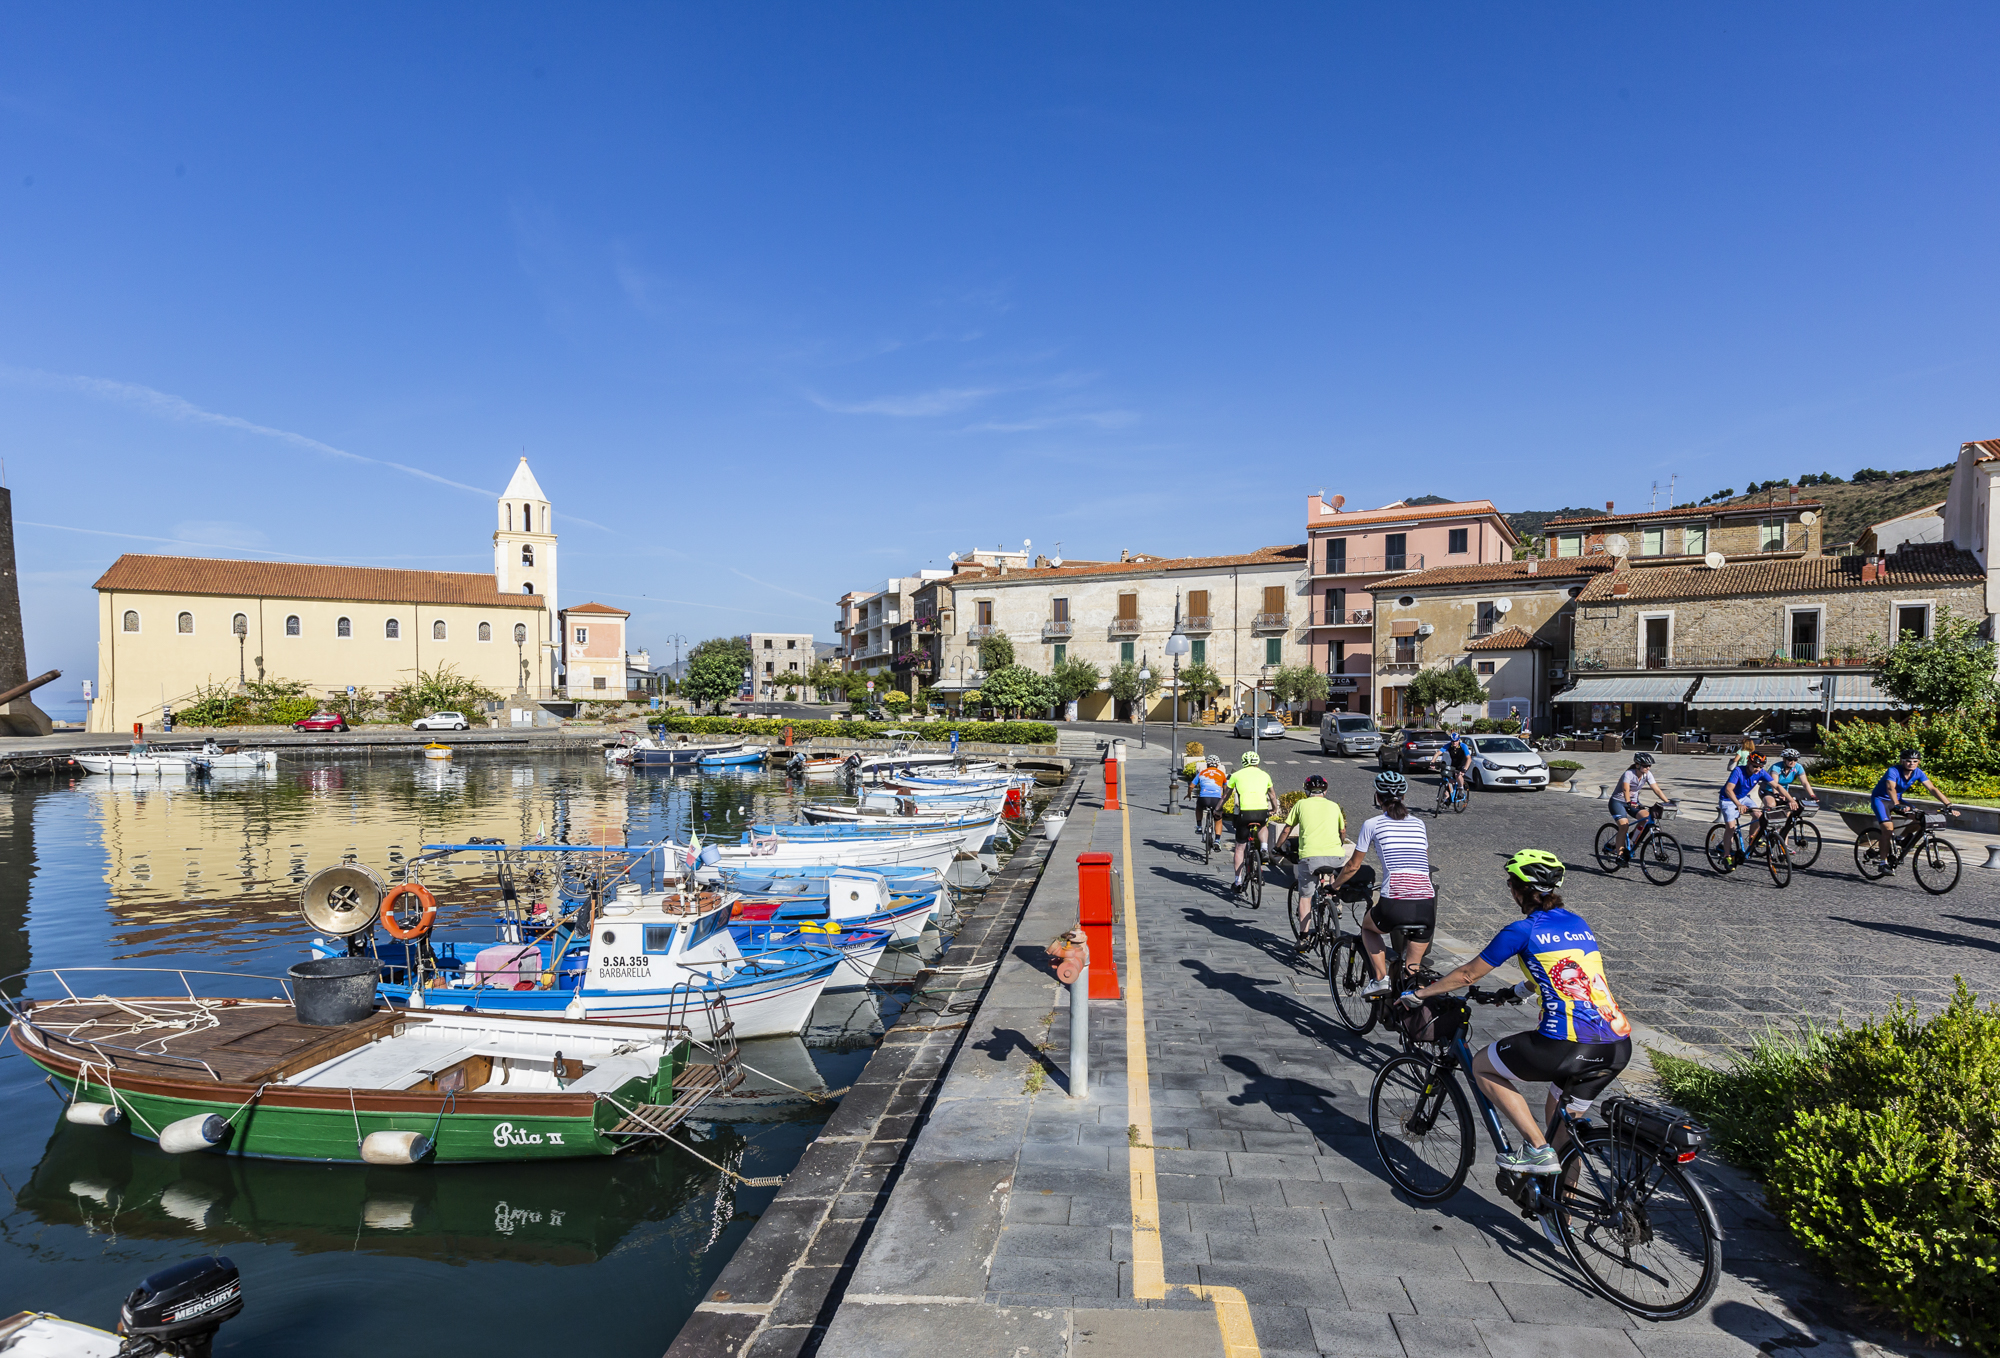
1584	1037
1250	788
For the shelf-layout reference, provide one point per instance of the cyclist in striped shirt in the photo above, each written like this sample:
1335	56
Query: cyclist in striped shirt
1408	900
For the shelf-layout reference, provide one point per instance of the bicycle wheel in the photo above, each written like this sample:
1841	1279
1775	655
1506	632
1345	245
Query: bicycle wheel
1868	860
1935	862
1462	796
1718	848
1660	858
1301	932
1346	972
1642	1232
1610	843
1778	858
1804	843
1422	1125
1253	877
1443	797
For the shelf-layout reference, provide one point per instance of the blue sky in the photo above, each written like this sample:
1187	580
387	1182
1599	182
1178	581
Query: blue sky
785	298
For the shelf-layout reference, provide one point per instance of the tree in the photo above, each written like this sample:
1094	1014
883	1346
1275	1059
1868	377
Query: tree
1435	690
444	689
1128	687
1200	683
996	652
1950	670
825	677
1074	678
714	678
1014	688
1299	684
735	646
896	700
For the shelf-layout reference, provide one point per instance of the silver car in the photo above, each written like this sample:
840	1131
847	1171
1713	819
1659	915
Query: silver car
442	721
1344	733
1271	728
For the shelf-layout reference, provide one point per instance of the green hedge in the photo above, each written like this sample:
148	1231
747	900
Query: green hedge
989	732
1880	1149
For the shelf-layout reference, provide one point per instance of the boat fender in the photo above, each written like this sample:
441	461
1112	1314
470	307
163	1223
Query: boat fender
394	1148
425	920
196	1133
94	1114
416	1000
575	1009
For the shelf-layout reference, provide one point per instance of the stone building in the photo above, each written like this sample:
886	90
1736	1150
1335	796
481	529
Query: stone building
171	626
1784	526
773	655
1972	513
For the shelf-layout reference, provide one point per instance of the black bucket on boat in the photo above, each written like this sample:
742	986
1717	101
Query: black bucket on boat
330	991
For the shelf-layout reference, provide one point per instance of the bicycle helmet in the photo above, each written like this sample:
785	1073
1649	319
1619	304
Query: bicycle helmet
1211	763
1788	755
1250	759
1642	760
1911	756
1538	869
1390	783
1315	785
1755	761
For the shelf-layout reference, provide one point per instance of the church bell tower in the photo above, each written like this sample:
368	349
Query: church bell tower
524	543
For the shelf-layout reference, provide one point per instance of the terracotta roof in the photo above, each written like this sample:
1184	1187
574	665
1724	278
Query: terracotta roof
1401	513
299	580
1924	565
1263	556
1985	450
596	608
1560	568
1512	639
1685	512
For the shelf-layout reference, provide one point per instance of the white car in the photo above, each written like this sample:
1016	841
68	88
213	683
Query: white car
442	721
1507	761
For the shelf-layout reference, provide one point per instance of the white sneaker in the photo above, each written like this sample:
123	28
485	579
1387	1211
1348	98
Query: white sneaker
1375	988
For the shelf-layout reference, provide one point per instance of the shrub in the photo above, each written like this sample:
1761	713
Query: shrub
1880	1148
992	732
1569	764
1954	745
1865	776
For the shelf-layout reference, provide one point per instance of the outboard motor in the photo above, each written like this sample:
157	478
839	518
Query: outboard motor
178	1310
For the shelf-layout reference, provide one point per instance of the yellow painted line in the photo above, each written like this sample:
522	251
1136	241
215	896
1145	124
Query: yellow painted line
1149	1273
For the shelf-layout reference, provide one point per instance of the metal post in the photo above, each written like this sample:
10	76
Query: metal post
1174	748
1079	1035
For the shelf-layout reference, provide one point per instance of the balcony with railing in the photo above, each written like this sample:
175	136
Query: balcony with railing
1270	622
925	622
1339	617
1371	565
1196	622
981	631
917	662
1058	629
1799	655
1126	627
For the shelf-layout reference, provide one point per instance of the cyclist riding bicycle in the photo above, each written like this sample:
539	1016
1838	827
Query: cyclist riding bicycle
1583	1037
1322	831
1788	773
1207	784
1625	806
1408	900
1887	798
1458	758
1746	788
1250	788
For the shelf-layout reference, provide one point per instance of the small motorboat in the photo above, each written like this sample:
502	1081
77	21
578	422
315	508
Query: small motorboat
437	751
173	1312
144	762
855	900
803	765
679	753
746	754
860	947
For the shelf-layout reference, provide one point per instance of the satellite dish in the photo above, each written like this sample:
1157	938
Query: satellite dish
1424	629
1617	545
1503	605
1808	518
1026	543
342	900
951	556
1055	561
1715	560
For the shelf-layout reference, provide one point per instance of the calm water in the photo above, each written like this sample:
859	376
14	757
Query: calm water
609	1254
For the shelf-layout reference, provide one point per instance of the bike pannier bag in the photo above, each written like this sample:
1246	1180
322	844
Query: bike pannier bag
1656	1127
1436	1023
1357	888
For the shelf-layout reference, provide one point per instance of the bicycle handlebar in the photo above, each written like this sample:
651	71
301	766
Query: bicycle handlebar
1506	996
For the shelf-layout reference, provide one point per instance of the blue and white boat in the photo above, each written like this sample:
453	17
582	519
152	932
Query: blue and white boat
860	948
855	898
747	754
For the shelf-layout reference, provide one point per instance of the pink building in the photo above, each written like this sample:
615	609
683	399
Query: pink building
1355	556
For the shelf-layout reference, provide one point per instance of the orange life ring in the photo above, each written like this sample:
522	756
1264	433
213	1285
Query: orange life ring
424	921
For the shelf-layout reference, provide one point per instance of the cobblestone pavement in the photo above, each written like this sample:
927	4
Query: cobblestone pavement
1012	1233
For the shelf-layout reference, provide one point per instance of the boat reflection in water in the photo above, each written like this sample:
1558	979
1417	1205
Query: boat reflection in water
565	1212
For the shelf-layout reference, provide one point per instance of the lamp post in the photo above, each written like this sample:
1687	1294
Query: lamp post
241	627
1145	678
1177	646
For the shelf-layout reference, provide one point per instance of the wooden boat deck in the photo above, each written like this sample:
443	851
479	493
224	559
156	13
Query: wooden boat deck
239	1041
696	1085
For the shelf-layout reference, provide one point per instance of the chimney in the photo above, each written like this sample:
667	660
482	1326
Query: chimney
1534	565
1609	506
1795	496
1621	583
1124	554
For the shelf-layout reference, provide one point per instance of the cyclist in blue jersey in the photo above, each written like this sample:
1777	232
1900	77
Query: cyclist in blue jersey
1788	773
1743	792
1456	757
1887	799
1584	1038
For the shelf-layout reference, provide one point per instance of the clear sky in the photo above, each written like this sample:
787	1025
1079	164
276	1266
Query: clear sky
784	298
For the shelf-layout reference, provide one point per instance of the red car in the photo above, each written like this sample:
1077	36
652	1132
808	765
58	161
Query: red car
321	721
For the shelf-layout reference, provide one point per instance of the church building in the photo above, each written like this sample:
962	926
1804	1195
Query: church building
170	626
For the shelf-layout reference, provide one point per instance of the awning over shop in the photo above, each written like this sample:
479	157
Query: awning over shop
1860	693
1779	690
1634	688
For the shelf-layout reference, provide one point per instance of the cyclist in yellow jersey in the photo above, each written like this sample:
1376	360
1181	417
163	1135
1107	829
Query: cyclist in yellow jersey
1250	788
1322	830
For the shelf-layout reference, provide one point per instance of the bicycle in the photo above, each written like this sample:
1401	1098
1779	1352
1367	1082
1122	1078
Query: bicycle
1933	859
1642	1233
1347	970
1452	792
1657	852
1253	869
1801	837
1725	840
1204	822
1315	933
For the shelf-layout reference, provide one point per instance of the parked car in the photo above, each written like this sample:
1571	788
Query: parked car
442	721
1507	761
321	721
1344	733
1411	750
1272	727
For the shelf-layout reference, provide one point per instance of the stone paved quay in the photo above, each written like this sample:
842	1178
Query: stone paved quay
1009	1231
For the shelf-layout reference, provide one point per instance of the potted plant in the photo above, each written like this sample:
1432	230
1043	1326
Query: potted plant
1562	770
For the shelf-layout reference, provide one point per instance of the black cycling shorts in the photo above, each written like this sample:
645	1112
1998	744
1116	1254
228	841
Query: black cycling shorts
1248	823
1416	916
1581	1070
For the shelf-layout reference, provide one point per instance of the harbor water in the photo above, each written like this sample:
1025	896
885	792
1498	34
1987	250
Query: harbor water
610	1255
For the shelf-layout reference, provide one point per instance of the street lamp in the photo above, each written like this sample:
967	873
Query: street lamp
1177	646
241	626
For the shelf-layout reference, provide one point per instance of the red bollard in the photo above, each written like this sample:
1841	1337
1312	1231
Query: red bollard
1110	783
1094	913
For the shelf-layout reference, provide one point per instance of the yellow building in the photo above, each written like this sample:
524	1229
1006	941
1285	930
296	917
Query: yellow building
171	626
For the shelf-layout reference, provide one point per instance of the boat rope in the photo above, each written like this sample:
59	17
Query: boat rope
771	1181
739	1061
357	1118
194	1017
83	1078
231	1119
450	1103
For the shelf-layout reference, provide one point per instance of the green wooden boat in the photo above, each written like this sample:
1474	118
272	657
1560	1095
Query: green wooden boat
246	1077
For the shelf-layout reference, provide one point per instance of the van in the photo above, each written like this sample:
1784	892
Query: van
1347	733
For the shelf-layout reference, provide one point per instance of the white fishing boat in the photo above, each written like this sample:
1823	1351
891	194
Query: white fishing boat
923	849
146	763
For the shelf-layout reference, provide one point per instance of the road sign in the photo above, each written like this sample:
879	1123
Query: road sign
86	690
871	685
350	690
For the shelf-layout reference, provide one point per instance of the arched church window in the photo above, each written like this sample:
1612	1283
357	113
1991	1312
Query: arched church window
343	627
527	554
437	630
240	625
392	629
520	633
131	619
527	587
527	518
291	624
510	518
184	624
486	631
